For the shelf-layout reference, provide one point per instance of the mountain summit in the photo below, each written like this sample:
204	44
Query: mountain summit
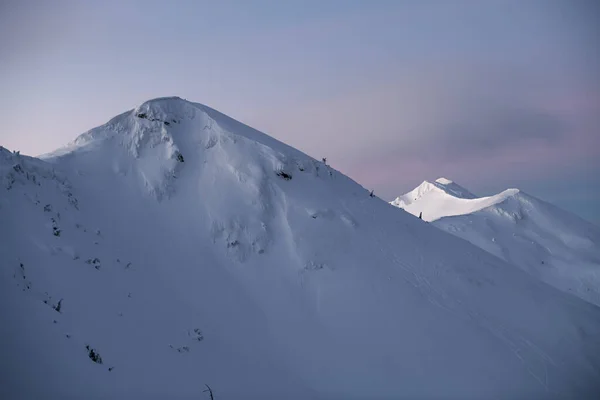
175	247
547	242
443	198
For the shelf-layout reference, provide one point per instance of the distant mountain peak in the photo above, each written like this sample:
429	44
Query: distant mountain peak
453	188
444	198
444	181
542	239
442	186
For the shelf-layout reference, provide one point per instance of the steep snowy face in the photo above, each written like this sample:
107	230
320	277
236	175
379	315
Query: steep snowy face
549	243
175	247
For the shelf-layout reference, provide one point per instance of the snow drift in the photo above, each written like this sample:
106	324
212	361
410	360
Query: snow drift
551	244
175	247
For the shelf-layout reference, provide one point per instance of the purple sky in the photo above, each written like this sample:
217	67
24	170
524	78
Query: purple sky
492	94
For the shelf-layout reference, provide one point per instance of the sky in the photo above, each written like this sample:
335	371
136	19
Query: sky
491	94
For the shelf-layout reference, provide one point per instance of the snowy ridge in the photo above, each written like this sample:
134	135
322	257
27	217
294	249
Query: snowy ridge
557	247
455	199
146	141
199	250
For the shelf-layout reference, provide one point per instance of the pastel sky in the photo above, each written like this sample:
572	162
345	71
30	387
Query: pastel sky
492	94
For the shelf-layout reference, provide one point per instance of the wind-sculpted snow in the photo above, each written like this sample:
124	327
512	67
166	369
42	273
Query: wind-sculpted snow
557	247
204	252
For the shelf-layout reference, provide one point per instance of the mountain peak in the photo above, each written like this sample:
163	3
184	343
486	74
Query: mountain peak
444	198
151	143
160	107
453	189
443	186
444	181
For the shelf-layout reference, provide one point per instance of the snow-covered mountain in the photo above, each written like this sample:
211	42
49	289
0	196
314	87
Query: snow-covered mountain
551	244
174	247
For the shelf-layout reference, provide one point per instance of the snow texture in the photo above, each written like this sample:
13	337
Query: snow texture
551	244
184	257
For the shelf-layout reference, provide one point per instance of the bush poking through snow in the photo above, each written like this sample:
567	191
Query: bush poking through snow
93	355
94	261
179	157
58	307
196	334
55	230
284	175
182	349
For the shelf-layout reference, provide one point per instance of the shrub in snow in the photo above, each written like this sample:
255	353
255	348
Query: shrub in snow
284	175
179	157
93	355
95	262
196	334
58	306
55	229
183	348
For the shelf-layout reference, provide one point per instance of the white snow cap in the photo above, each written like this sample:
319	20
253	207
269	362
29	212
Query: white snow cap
444	181
444	198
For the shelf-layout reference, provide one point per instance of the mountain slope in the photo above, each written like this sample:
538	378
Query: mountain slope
185	248
555	246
